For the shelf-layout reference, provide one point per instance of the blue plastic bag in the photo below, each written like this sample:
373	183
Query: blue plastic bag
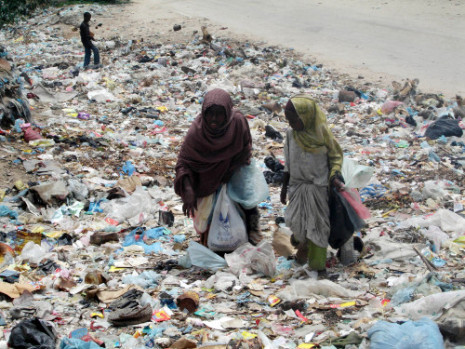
248	186
421	334
139	237
74	343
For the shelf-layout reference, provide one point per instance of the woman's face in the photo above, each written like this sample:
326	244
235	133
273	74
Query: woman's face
295	122
215	117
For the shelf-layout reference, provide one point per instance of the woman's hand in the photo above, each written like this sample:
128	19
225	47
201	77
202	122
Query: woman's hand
189	208
338	184
283	195
190	201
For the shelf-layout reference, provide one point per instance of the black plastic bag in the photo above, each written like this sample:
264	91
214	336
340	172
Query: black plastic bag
32	333
444	127
341	227
273	164
270	132
273	177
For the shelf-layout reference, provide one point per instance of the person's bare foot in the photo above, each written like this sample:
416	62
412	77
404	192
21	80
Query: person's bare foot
255	237
301	256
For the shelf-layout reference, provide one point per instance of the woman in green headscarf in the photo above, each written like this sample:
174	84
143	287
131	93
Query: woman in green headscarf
313	164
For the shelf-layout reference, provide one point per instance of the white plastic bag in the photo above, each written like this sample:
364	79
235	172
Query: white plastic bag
248	186
137	207
33	253
355	175
101	96
227	229
249	258
433	190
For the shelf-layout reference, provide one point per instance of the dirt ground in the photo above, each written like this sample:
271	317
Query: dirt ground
381	40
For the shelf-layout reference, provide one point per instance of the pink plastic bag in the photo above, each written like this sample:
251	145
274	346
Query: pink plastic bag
353	197
389	106
29	133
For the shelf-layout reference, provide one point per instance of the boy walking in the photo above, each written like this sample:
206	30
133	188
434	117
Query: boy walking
86	37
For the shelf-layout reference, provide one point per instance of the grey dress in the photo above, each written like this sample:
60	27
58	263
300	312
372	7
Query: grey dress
307	213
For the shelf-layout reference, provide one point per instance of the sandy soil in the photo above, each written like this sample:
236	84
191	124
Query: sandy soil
380	40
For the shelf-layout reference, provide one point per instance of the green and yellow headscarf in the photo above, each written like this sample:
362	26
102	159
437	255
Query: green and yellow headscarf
316	132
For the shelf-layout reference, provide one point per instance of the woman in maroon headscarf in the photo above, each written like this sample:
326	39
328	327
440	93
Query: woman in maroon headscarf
217	143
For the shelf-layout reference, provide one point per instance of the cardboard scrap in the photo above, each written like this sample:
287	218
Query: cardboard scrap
17	289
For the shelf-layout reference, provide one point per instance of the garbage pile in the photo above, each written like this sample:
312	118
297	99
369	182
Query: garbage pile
95	250
13	104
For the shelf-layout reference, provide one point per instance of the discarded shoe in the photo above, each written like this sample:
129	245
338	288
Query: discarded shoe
100	238
127	310
131	315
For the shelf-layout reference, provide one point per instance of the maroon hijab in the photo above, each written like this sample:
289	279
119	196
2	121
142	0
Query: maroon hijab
208	158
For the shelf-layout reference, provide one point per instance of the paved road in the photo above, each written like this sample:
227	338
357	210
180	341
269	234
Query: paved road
378	39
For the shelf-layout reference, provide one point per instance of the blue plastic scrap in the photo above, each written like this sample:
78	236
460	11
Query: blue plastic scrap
179	238
7	212
74	343
128	168
421	334
139	237
372	191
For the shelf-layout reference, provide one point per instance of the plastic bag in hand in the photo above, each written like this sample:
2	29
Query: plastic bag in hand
248	186
355	175
357	222
204	208
227	230
340	222
353	198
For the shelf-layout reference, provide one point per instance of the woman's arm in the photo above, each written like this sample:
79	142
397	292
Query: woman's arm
286	178
189	200
287	171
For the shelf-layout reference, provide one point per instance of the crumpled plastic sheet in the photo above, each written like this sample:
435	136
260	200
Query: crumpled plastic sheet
447	220
139	203
431	306
308	288
258	258
201	257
